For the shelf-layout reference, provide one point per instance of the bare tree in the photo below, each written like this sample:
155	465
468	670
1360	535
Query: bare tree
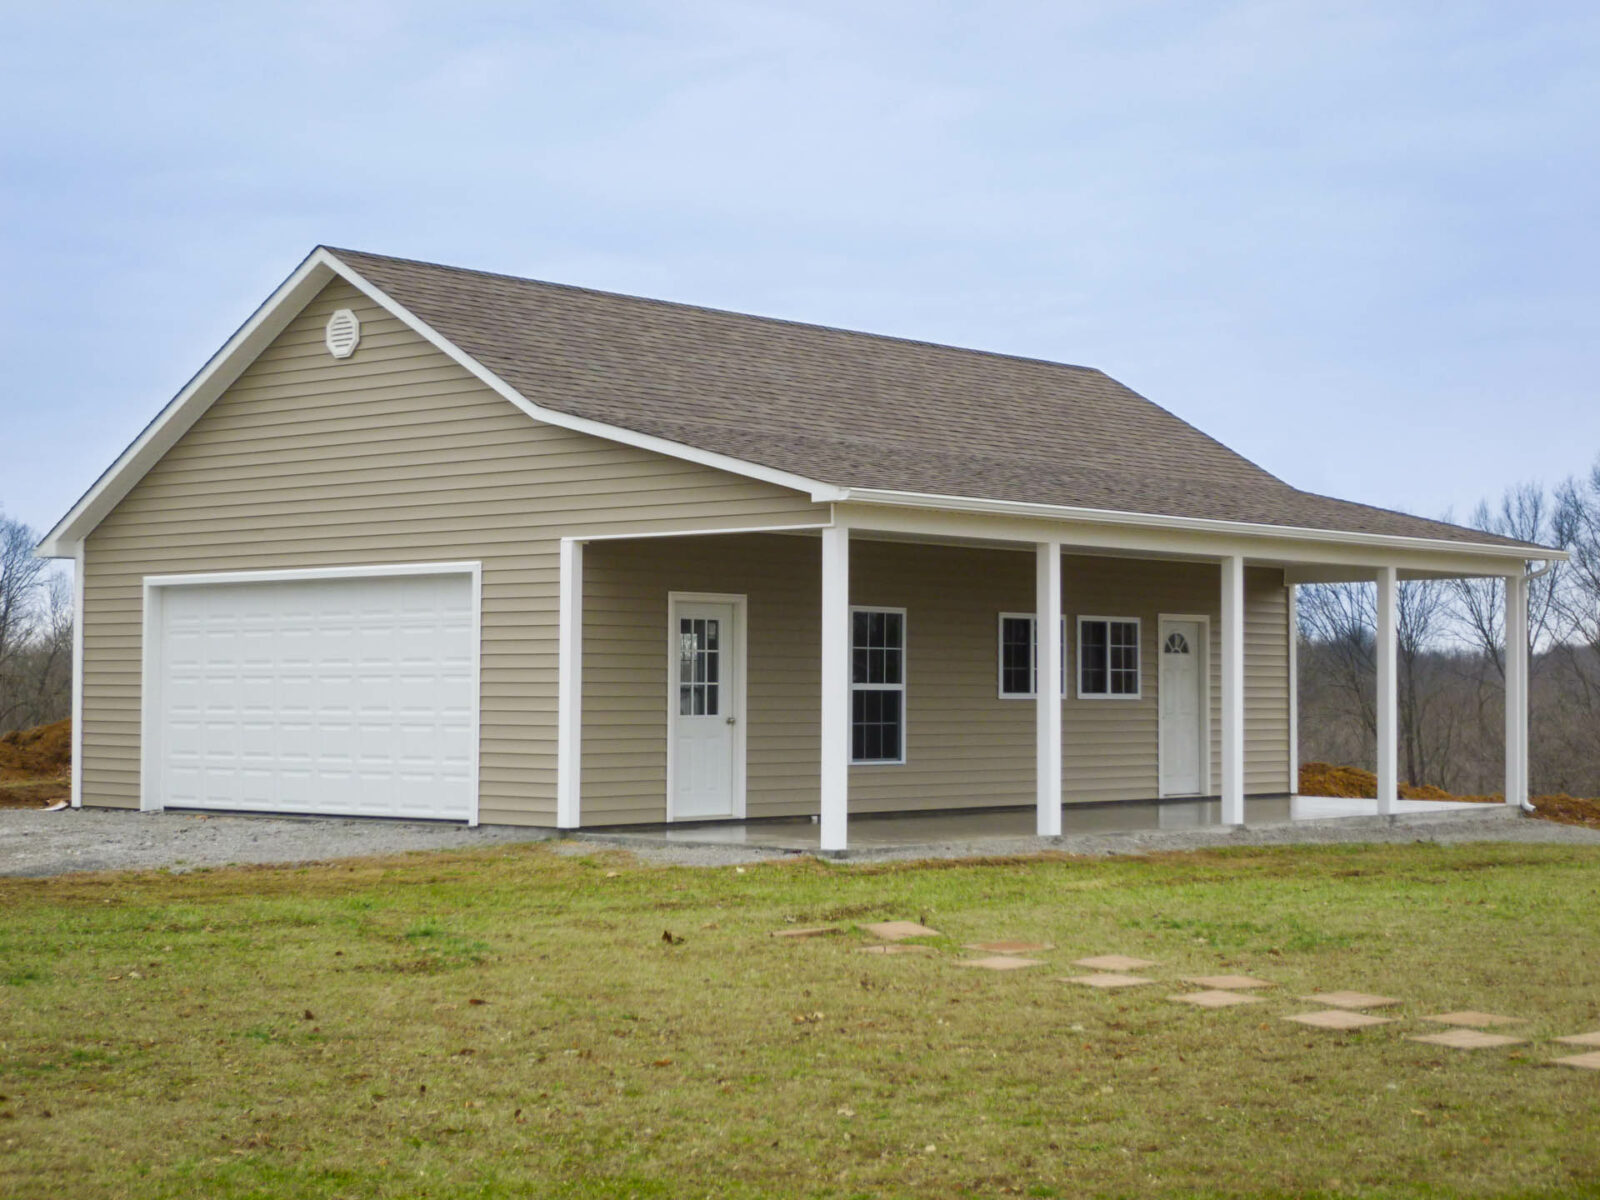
1578	502
1526	513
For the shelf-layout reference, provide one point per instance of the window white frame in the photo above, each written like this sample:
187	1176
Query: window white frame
901	687
1138	624
1033	640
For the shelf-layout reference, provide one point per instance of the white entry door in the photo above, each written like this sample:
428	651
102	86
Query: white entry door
1183	706
706	739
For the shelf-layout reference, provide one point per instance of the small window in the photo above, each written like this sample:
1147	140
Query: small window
877	685
1019	656
1108	657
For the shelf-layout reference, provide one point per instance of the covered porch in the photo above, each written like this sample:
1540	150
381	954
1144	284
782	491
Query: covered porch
885	663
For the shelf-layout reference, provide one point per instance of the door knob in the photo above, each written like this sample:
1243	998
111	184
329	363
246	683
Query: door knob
733	720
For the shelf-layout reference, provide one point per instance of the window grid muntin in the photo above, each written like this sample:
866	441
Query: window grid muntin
878	671
1108	658
699	666
1012	624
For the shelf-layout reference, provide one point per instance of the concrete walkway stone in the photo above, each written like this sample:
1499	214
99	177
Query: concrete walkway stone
999	962
1004	947
1582	1039
1227	983
1113	962
1215	998
896	948
1587	1062
1476	1020
1466	1039
1107	979
817	931
899	931
1351	999
1338	1018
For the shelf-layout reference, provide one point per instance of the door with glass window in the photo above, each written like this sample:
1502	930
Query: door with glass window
1183	707
705	742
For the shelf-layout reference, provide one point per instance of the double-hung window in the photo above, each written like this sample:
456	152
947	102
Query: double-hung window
877	685
1108	657
1019	656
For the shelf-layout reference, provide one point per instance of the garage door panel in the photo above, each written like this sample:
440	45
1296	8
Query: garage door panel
340	696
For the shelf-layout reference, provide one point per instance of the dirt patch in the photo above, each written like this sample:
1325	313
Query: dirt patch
36	766
1324	779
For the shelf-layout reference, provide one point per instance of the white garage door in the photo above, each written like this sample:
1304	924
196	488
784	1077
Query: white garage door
348	696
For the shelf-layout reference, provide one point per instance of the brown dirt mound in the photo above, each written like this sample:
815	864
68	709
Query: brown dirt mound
33	753
1324	779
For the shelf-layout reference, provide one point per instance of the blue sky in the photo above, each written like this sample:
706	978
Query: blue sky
1358	243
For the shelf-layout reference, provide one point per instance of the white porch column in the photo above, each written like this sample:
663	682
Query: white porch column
1047	685
1388	691
835	766
1516	690
1294	690
1233	690
569	697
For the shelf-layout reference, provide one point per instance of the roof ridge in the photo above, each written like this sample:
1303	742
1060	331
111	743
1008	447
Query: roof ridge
790	322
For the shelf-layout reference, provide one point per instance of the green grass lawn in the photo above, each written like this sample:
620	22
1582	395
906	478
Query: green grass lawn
512	1023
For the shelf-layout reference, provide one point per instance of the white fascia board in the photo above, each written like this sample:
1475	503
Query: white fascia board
184	409
269	320
820	492
1152	521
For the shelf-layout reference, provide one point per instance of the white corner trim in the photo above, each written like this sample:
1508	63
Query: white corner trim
1059	512
77	675
819	492
154	586
1294	689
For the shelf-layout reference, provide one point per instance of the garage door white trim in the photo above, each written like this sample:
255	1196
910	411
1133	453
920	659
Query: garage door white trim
157	586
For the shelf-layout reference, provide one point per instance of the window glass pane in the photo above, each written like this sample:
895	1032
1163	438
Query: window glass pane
858	664
685	701
1016	656
710	706
1092	657
711	634
858	628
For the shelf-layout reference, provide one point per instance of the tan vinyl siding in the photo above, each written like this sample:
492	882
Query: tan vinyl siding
966	747
396	454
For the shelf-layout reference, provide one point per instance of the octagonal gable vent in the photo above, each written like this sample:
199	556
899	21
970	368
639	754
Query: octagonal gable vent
343	333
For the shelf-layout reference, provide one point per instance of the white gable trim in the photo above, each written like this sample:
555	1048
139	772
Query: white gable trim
319	269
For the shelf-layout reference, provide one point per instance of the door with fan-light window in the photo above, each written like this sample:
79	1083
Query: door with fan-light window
1183	705
705	707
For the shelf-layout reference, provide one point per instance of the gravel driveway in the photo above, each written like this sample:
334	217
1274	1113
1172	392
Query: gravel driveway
39	843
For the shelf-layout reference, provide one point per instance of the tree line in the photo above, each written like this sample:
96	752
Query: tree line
35	633
1451	654
1452	661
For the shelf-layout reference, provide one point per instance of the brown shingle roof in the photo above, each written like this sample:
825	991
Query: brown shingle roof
856	409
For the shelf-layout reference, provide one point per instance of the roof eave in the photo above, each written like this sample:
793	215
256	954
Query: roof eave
1244	529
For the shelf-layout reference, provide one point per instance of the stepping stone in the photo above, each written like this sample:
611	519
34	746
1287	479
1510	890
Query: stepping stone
1227	983
1009	947
1351	1000
1107	979
818	931
1215	998
1581	1039
893	948
1478	1020
1114	962
1466	1039
999	962
1338	1018
1588	1062
899	931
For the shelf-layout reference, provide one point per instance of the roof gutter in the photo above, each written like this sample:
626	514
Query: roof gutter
1105	516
